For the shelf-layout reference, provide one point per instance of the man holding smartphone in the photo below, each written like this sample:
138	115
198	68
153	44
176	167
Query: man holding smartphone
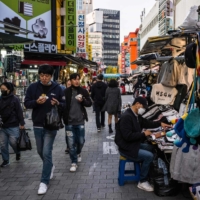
77	98
40	97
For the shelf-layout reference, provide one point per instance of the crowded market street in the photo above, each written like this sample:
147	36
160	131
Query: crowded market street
95	178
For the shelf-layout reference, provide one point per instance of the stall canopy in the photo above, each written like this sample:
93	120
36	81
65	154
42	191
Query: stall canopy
155	44
31	58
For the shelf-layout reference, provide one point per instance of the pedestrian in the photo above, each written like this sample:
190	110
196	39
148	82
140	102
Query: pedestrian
113	102
130	136
98	96
12	117
41	97
93	82
68	84
77	98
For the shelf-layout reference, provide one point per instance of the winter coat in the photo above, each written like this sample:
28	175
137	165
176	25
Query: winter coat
11	111
39	111
98	93
85	103
113	100
129	134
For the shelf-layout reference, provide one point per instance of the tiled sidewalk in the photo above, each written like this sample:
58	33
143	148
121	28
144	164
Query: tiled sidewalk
96	177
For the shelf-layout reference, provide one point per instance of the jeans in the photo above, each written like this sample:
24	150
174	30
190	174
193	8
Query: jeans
44	141
8	136
76	139
145	156
98	111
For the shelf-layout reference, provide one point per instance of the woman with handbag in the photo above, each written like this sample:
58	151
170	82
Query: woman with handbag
113	102
12	119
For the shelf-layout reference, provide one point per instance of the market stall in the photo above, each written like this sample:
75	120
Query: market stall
171	84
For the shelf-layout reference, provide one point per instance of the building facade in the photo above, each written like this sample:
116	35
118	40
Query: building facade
87	6
111	36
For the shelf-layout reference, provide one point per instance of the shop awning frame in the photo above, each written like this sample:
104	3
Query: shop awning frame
42	62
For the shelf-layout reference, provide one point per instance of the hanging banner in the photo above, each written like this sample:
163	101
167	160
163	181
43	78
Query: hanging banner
71	25
81	34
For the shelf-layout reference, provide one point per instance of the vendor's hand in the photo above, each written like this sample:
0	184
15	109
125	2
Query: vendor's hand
147	133
166	125
21	127
54	102
80	99
41	100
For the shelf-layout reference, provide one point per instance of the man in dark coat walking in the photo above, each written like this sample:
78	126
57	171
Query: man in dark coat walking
98	96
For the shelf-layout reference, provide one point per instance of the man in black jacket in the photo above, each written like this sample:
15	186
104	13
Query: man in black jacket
98	96
129	137
74	116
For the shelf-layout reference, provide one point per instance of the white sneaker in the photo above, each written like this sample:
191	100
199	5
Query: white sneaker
42	188
52	170
79	158
73	167
145	186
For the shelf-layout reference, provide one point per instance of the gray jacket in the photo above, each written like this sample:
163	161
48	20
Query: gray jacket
185	167
113	100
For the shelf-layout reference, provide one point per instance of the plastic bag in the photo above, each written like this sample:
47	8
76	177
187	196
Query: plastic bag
161	189
23	142
53	119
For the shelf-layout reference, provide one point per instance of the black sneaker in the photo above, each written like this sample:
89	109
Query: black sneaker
98	130
18	156
67	151
103	126
5	163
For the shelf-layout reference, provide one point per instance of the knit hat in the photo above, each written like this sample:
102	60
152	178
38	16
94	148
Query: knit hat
9	86
142	101
190	55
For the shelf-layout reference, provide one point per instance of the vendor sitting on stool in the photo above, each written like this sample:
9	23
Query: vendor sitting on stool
129	138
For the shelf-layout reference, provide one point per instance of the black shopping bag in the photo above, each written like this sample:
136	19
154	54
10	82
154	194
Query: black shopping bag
23	142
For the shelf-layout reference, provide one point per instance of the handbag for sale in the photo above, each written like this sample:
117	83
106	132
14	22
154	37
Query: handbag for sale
24	142
53	119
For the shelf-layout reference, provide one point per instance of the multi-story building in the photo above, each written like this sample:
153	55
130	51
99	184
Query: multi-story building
96	40
150	24
87	6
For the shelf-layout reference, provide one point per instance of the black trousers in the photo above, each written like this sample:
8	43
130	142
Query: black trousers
100	116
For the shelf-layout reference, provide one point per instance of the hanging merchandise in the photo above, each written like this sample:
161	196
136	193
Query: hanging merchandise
185	167
163	95
190	55
171	74
198	55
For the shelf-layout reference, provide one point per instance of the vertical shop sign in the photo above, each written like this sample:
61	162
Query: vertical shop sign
81	37
123	60
71	25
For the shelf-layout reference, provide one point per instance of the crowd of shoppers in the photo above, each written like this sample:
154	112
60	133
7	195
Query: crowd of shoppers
71	99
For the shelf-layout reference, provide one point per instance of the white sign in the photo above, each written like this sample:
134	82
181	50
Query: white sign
40	47
81	35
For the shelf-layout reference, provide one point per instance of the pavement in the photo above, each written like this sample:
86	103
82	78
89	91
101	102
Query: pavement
96	176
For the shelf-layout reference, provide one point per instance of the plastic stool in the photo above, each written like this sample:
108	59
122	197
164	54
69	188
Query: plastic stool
135	174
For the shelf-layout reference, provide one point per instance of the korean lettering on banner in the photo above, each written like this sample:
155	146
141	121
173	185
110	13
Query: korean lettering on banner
40	47
71	25
123	60
81	37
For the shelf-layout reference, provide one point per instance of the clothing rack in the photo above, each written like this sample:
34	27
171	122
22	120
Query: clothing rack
167	58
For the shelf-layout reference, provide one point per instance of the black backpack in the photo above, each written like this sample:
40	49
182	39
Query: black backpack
182	92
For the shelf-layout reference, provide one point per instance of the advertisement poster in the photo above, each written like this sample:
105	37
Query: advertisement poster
31	15
71	25
81	37
123	60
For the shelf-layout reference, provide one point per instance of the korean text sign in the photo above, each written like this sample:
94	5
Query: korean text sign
71	25
81	35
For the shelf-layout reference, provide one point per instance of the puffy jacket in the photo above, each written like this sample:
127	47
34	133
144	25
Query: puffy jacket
98	93
34	91
11	111
129	132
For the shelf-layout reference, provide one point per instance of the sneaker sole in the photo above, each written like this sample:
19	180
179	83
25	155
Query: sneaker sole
5	165
145	189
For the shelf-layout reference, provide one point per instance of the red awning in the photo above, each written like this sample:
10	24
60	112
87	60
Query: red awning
42	62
